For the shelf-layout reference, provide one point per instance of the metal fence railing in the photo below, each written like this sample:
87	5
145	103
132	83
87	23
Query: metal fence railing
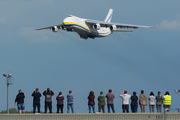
92	116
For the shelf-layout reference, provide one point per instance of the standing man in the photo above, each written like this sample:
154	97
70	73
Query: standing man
134	103
70	98
101	102
48	93
20	101
142	101
110	96
125	101
167	101
36	100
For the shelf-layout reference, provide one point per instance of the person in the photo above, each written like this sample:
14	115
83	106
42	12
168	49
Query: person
70	98
110	97
167	101
159	100
91	102
151	99
60	102
142	101
125	101
134	103
36	100
20	102
101	102
48	93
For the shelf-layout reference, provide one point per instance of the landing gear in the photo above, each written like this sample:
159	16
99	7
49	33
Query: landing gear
70	30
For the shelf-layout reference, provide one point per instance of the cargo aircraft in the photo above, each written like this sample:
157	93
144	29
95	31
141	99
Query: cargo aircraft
88	28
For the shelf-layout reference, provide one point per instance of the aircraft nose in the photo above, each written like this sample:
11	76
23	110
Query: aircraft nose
68	19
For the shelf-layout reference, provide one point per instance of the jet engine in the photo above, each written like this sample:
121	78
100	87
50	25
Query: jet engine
97	26
54	29
113	27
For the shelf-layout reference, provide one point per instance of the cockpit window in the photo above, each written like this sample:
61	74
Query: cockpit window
69	15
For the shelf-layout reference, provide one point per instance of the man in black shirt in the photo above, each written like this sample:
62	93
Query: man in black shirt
20	101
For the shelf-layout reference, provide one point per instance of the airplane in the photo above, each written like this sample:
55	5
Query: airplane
88	28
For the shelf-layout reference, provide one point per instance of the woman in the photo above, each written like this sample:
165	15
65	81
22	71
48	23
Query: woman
159	99
91	102
60	103
151	99
167	101
134	103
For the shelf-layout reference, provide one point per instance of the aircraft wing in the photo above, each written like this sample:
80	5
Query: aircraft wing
118	25
57	26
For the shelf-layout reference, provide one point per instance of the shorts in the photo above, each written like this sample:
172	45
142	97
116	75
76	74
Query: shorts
20	106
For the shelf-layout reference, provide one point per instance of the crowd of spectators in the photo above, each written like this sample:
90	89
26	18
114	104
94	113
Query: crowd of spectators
157	101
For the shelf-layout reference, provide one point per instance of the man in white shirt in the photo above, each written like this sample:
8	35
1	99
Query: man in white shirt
125	101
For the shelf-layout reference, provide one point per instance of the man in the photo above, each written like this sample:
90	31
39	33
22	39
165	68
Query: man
48	93
70	98
20	102
142	101
36	100
101	102
134	103
110	96
167	101
125	101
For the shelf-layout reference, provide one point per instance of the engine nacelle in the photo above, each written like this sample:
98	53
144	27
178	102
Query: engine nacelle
97	26
113	27
54	29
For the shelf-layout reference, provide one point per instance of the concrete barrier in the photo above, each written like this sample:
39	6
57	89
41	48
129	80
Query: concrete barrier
92	116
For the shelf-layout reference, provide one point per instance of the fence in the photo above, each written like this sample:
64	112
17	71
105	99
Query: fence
92	116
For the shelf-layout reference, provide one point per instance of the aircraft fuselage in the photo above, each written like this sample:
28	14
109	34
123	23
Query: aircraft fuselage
85	30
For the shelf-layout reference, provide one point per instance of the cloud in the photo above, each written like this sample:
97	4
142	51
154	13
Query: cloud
170	25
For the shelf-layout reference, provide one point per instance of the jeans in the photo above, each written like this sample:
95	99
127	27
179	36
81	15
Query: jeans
48	105
151	108
142	108
158	107
60	107
101	107
20	106
167	106
125	108
36	104
93	107
112	107
134	108
68	106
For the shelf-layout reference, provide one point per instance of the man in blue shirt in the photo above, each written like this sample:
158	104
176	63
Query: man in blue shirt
36	100
70	101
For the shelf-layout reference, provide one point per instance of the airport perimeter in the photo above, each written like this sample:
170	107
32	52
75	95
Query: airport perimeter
92	116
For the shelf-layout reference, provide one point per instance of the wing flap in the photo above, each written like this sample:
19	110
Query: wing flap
118	25
122	30
58	26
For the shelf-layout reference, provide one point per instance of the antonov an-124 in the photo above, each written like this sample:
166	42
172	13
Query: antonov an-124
88	28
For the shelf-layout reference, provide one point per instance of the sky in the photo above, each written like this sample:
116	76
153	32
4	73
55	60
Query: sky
146	59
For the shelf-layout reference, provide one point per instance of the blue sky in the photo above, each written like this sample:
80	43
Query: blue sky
146	59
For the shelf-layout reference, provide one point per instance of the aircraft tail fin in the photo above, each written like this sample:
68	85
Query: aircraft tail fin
109	16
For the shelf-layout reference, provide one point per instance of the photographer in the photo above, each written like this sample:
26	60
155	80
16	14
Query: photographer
48	101
36	100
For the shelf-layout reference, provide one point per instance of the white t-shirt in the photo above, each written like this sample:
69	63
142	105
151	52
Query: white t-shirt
125	99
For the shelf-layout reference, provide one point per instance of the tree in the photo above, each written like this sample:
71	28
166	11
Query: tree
11	111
